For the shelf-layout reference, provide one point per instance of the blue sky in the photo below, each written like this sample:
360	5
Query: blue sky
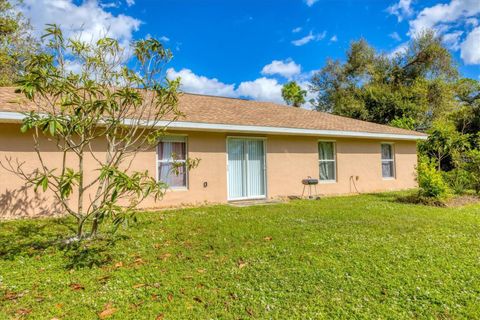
249	48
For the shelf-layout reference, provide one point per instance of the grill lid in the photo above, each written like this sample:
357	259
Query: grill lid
309	181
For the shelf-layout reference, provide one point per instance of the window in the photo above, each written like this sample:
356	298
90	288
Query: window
388	162
326	151
171	161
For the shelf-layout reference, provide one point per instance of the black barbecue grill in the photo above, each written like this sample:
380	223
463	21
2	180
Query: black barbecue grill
309	181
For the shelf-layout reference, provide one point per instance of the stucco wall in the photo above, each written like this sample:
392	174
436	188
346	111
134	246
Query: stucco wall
210	148
289	159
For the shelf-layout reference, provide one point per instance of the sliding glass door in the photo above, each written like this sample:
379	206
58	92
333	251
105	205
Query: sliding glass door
246	168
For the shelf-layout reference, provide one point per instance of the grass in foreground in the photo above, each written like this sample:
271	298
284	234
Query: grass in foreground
364	256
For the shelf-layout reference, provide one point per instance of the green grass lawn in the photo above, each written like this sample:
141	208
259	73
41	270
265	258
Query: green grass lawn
346	257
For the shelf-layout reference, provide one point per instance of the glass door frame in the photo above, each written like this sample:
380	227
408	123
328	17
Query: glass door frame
257	197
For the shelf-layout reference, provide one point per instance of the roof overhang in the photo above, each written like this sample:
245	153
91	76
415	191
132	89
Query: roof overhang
13	117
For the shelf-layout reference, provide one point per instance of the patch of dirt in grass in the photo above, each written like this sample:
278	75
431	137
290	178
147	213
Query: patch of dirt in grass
416	199
452	202
460	201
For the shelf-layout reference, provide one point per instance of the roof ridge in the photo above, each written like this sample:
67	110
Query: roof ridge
214	96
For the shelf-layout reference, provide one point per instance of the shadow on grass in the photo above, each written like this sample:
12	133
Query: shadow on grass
34	238
90	253
25	239
408	197
391	196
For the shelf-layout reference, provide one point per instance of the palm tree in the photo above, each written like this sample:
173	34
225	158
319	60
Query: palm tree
293	94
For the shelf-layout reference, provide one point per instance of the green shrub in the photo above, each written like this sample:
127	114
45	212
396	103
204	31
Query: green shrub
459	180
473	166
430	180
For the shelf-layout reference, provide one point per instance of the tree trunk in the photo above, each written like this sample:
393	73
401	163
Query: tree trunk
439	162
94	226
80	194
80	228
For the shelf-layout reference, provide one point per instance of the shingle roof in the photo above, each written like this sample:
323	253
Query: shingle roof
231	111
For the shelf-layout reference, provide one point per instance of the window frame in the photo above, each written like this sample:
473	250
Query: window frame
173	138
334	160
392	160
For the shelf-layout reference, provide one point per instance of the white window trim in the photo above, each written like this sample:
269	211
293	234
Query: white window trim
392	160
334	160
180	138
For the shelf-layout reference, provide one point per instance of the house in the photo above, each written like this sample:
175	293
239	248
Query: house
248	150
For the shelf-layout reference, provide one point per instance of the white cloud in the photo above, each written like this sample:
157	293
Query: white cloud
262	89
310	95
398	50
310	37
452	39
190	82
164	39
470	48
472	22
73	66
395	36
87	21
440	15
310	2
304	40
297	29
457	22
130	2
287	68
110	4
334	38
402	9
320	36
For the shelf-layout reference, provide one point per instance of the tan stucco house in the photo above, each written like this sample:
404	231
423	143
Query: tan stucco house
248	150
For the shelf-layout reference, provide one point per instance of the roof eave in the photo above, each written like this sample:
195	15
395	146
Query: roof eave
13	117
198	126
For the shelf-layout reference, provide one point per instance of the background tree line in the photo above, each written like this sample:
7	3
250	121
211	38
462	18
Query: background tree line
17	42
418	88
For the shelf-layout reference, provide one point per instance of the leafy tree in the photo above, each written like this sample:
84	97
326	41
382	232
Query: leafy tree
293	94
16	42
473	167
404	123
444	143
459	179
467	116
454	140
417	89
426	57
415	84
104	114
